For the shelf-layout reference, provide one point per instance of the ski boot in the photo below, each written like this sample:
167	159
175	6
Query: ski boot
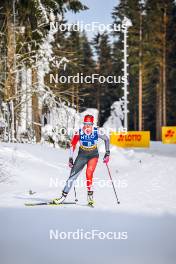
60	200
90	199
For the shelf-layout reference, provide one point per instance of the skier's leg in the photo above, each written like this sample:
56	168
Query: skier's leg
75	171
78	166
91	165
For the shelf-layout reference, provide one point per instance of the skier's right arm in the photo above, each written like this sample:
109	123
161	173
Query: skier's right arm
74	141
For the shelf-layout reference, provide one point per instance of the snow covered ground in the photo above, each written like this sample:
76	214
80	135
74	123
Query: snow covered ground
145	180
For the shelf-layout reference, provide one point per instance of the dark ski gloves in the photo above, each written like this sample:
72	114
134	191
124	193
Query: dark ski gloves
106	157
70	163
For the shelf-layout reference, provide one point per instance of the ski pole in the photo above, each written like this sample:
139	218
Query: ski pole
76	200
118	202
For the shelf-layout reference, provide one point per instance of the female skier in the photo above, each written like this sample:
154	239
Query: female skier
88	155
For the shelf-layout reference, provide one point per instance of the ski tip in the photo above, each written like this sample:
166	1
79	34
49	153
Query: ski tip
49	204
34	204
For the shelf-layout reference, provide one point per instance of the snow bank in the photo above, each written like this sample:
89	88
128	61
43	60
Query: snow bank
145	182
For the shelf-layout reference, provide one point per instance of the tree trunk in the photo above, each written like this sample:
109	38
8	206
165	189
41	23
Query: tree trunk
98	103
73	95
159	107
10	82
164	70
77	98
35	108
135	120
140	75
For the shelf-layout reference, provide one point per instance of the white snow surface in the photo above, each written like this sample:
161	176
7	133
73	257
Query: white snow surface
145	181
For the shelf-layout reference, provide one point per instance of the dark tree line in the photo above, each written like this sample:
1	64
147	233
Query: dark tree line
152	59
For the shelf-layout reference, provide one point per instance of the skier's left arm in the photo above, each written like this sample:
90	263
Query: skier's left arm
107	147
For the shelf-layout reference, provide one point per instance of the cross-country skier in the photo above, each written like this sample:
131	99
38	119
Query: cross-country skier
88	155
